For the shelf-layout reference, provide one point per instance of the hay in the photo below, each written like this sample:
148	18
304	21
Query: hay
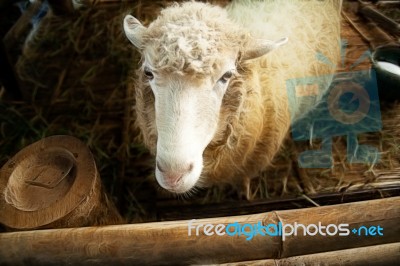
73	73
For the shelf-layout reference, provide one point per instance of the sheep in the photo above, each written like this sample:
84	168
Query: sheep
211	99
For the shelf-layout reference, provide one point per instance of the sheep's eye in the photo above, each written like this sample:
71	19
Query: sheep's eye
148	73
226	77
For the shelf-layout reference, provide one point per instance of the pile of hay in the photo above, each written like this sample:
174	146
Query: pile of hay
74	72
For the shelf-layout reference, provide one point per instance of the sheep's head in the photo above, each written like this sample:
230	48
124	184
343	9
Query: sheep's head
190	54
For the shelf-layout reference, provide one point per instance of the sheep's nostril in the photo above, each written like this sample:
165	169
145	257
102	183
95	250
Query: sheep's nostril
173	176
177	180
173	180
190	168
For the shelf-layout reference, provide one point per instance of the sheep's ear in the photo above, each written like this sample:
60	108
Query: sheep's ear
263	48
134	30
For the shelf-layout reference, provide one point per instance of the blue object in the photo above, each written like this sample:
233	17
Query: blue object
350	107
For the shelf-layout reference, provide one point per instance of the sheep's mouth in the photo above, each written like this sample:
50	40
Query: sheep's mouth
183	193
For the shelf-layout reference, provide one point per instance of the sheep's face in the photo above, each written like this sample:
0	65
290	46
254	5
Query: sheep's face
188	63
187	113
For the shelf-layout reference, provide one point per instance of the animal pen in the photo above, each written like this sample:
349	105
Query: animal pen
77	186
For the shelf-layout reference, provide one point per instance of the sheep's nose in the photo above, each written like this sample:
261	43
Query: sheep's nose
173	177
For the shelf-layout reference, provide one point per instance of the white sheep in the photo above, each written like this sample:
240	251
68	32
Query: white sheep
210	104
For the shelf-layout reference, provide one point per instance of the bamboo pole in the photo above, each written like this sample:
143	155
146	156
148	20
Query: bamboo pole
53	183
169	243
384	213
386	254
